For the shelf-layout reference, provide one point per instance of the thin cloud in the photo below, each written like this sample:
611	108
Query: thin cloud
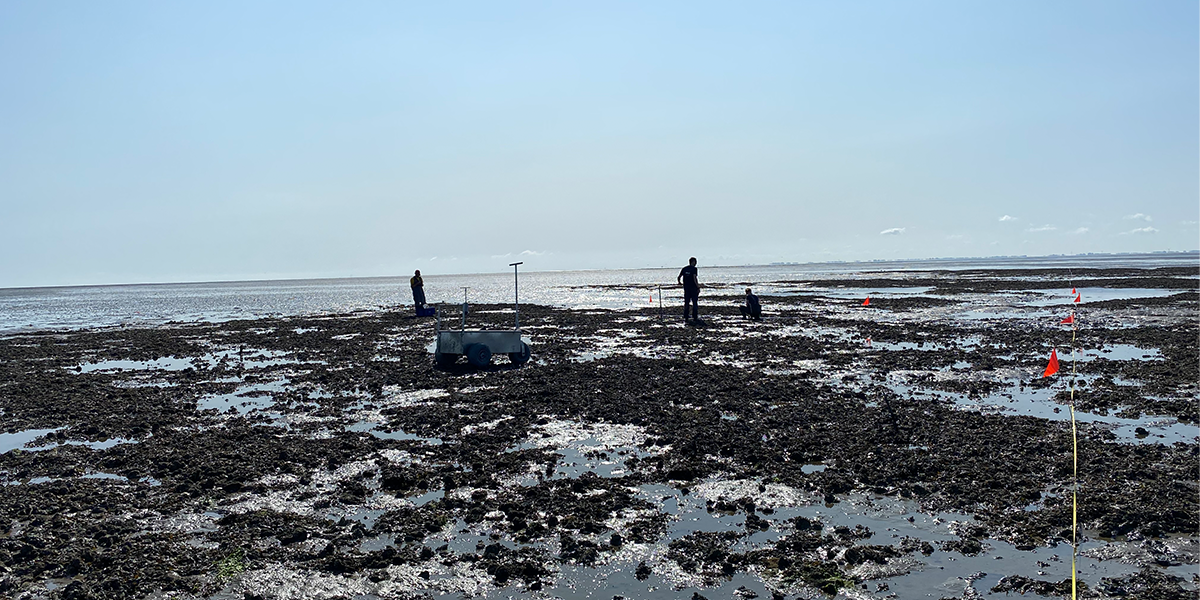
1081	230
893	231
522	253
1146	229
1187	222
1042	228
1007	218
1139	216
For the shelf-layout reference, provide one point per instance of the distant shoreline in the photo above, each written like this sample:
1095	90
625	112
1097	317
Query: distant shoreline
873	264
56	308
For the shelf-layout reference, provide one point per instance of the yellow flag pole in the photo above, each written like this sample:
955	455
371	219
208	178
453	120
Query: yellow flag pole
1075	460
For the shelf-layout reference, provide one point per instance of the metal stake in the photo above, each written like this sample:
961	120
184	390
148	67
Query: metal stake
464	320
516	299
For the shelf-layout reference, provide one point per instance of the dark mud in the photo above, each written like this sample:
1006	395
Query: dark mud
324	457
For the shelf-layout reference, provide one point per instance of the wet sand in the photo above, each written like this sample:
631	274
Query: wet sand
325	457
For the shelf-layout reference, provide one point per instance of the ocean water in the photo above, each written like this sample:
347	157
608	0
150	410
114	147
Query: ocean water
23	309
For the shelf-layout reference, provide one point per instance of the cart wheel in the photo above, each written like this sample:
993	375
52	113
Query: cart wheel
522	357
479	355
444	360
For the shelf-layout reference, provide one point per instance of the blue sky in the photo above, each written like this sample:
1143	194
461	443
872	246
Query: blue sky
168	142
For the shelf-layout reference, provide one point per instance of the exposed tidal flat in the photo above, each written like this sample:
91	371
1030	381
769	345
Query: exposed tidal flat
318	454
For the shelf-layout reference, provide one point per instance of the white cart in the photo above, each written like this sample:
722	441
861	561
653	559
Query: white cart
479	345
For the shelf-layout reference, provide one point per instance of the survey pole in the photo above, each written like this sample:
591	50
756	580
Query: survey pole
464	319
516	296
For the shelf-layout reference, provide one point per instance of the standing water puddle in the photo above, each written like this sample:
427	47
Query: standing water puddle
1115	352
1039	403
17	440
1086	295
161	364
397	434
858	293
873	520
248	397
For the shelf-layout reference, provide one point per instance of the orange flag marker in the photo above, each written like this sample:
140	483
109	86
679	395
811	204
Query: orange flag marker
1052	368
1070	320
1077	297
867	302
1073	291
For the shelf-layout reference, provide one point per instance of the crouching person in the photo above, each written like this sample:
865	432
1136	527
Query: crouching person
751	309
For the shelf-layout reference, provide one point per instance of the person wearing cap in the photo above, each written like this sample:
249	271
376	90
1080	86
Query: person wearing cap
418	289
751	309
688	276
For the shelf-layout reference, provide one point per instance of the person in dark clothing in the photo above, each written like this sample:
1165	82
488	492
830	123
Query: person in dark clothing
751	308
691	289
418	289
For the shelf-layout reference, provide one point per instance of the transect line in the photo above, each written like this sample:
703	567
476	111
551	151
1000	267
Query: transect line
1075	459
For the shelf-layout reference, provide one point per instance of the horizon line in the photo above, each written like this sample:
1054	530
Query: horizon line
770	264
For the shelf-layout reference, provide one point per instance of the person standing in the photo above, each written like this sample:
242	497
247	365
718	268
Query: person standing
418	289
688	276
